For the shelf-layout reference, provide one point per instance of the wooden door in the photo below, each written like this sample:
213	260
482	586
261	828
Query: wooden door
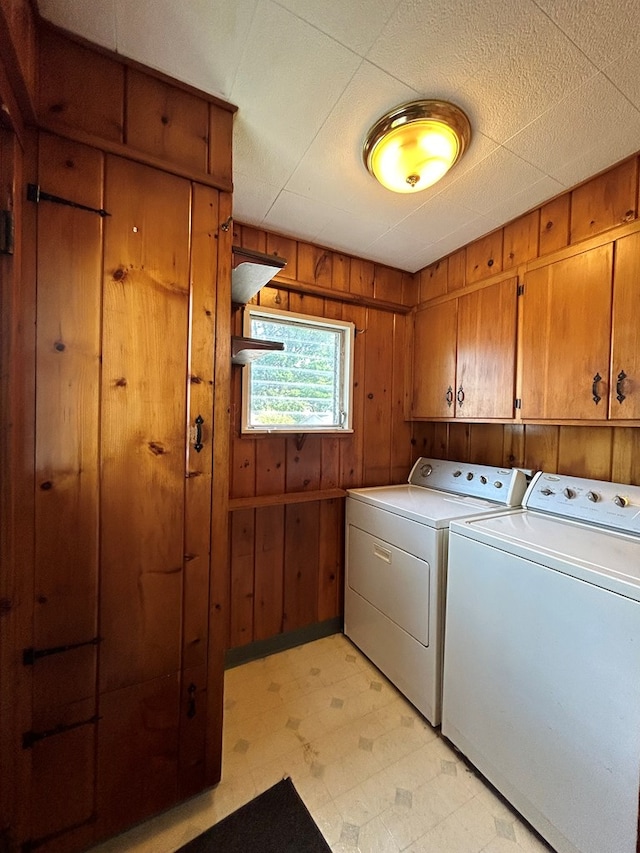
143	450
624	398
486	355
434	361
566	329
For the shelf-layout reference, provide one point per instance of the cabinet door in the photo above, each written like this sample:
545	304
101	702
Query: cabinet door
625	359
566	330
487	352
434	361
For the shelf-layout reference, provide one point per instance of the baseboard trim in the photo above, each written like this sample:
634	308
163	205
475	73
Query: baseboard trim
281	642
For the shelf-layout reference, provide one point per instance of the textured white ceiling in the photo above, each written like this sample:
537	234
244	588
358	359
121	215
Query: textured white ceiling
552	88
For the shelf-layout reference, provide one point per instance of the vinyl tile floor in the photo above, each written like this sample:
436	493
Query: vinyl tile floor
376	777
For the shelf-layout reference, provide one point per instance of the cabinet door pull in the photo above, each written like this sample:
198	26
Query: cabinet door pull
594	388
449	396
460	396
197	434
619	395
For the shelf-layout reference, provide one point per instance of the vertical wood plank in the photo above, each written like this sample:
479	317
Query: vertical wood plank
351	446
197	541
378	380
269	572
513	448
252	238
387	284
433	280
361	277
585	451
315	265
138	754
484	257
242	577
143	422
340	272
458	442
625	457
219	589
554	224
70	76
605	201
68	371
287	250
423	440
486	443
166	121
301	564
457	270
541	447
400	428
303	454
330	569
271	455
220	143
520	243
193	731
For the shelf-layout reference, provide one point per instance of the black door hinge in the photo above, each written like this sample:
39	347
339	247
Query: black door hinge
31	655
34	193
518	403
29	738
520	290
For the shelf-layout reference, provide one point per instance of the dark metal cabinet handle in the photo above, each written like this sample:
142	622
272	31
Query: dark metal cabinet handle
594	388
460	396
198	442
449	396
619	395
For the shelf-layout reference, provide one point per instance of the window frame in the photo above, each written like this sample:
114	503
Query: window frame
347	331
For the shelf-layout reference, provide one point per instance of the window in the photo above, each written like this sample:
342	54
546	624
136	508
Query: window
307	386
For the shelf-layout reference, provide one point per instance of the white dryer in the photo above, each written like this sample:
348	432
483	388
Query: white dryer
542	658
396	555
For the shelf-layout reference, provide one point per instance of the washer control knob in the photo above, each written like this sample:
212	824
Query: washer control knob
470	476
594	497
457	473
483	480
498	484
619	500
425	470
546	492
568	493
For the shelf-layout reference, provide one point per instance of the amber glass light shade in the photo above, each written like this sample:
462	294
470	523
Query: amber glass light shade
414	145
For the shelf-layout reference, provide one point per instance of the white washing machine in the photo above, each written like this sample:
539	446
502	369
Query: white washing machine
396	554
542	658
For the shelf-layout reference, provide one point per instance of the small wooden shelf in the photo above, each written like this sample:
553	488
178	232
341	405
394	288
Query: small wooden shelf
251	271
244	350
286	498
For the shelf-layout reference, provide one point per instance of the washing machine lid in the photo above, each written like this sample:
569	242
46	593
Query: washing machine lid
603	557
426	506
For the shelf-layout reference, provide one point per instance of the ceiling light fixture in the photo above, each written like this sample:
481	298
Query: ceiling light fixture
414	145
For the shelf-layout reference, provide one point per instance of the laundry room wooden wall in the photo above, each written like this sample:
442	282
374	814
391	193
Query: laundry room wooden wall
287	492
603	208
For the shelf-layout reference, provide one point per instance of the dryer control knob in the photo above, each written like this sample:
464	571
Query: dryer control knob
568	493
619	500
483	480
457	473
546	492
498	484
470	476
425	470
593	496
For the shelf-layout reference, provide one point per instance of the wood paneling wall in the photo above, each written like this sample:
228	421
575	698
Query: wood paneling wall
610	453
287	524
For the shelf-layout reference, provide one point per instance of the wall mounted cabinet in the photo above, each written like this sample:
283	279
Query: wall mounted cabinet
464	355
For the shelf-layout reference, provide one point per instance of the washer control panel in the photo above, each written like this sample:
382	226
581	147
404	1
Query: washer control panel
606	504
503	485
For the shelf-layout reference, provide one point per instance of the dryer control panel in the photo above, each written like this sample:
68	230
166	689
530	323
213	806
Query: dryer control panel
614	505
502	485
